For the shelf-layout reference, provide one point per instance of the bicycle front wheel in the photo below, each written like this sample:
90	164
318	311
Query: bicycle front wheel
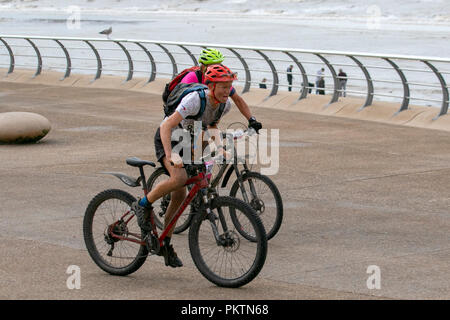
107	222
263	196
219	251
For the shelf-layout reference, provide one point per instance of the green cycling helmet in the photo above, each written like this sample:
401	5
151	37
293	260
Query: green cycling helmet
211	56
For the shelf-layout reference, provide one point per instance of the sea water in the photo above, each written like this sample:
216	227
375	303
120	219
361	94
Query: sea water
402	27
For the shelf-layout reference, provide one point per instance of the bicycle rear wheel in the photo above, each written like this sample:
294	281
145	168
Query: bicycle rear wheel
108	217
229	260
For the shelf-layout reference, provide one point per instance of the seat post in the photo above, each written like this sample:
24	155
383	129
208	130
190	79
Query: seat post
144	181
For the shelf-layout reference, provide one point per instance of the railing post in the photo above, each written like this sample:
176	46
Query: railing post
445	95
172	59
264	52
99	60
406	93
304	75
335	97
248	76
152	62
130	61
68	61
274	73
370	90
11	56
39	58
190	54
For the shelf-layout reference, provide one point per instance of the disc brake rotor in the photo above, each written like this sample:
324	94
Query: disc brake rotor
258	205
231	241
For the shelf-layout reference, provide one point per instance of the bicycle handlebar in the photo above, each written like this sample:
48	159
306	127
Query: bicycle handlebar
219	158
239	134
214	158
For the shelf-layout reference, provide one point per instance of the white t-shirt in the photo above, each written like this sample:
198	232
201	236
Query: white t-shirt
190	106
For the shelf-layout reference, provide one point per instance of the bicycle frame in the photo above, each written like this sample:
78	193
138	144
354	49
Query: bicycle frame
200	183
234	167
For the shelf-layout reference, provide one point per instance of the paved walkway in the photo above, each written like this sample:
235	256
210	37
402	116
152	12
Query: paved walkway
356	194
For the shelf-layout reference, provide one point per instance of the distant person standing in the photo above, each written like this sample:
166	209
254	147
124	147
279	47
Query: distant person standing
321	86
342	77
320	80
289	76
262	84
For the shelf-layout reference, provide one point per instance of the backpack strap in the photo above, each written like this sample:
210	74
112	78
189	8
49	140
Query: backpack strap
199	75
179	92
202	95
184	89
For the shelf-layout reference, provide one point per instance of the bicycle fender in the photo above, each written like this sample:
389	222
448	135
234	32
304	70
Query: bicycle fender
129	181
227	176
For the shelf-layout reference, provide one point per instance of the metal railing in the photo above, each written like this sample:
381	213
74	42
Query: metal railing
372	76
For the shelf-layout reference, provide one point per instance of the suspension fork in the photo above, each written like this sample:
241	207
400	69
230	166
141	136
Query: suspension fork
250	181
212	219
240	180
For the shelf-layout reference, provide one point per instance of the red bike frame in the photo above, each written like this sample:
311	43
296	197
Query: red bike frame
199	181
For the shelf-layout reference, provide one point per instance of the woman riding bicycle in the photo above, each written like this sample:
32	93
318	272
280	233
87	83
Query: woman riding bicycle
219	79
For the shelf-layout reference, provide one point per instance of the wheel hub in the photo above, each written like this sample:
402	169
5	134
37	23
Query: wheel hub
230	241
115	229
258	205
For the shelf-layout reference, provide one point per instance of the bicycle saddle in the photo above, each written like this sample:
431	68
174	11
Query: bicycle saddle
136	162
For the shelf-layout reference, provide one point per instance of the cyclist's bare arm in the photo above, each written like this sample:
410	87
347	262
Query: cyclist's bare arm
177	176
242	105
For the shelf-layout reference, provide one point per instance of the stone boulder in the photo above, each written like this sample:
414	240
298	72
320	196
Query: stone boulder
22	127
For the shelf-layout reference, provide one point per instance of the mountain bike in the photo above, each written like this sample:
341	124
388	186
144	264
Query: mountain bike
258	190
224	257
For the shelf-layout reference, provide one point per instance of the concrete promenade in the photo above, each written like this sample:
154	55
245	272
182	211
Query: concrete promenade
356	193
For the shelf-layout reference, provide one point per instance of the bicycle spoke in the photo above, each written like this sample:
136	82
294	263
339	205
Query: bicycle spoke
263	201
112	218
233	259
